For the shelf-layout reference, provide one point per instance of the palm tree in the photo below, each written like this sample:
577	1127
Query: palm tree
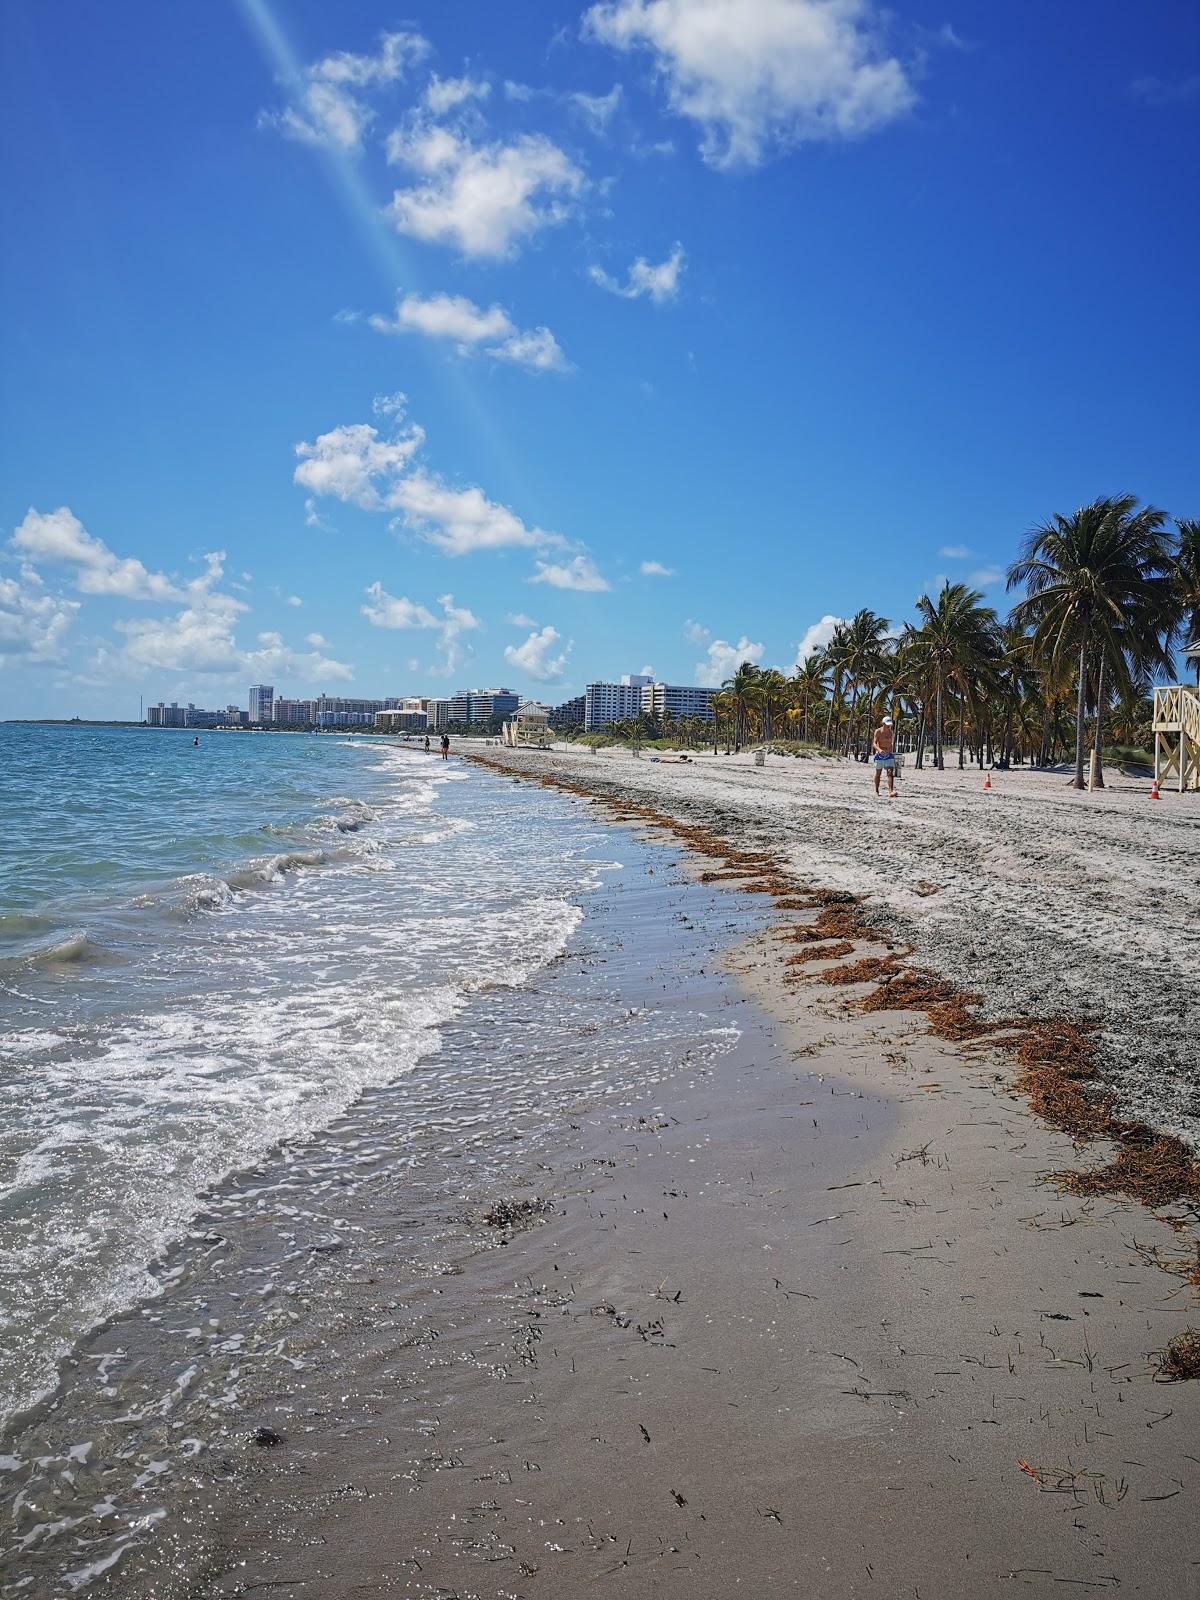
953	646
1187	581
833	658
745	692
808	688
1098	587
863	658
1011	675
773	692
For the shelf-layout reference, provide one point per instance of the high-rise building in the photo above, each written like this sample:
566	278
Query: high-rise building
570	714
677	700
613	702
481	705
262	696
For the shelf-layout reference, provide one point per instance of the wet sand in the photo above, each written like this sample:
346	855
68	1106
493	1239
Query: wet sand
811	1321
1045	900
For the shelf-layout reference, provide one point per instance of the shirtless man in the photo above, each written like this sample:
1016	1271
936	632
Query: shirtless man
883	756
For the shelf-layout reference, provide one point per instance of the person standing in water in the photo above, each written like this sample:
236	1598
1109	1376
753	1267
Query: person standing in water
445	747
883	756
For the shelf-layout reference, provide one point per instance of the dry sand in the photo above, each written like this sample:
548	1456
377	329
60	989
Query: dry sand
1046	901
814	1324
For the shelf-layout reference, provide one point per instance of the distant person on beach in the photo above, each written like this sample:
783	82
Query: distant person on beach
445	747
426	744
883	756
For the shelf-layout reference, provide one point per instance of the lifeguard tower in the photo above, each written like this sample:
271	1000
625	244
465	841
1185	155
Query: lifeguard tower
1177	733
528	728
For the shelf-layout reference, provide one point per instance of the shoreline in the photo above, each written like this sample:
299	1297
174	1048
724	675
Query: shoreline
803	1319
811	1322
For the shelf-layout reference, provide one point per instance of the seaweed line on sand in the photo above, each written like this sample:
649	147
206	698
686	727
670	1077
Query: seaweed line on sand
1058	1070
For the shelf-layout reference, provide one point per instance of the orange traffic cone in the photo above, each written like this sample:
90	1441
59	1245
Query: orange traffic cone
1154	794
987	782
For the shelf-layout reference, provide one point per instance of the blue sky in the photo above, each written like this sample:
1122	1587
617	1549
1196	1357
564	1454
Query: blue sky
384	352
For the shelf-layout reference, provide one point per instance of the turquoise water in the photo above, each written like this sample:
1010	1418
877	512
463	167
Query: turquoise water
207	950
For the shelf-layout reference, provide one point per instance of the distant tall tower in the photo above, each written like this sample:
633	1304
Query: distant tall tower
262	701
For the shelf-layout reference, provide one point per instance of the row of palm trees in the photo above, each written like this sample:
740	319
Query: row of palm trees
1109	593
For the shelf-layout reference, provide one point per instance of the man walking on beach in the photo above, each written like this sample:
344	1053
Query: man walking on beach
445	747
884	756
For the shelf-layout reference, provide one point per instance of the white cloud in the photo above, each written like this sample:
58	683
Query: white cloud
696	632
518	619
956	552
817	637
724	659
459	521
446	316
533	656
330	110
986	577
314	519
655	569
347	462
597	110
519	92
200	639
447	94
58	538
484	199
397	611
317	640
659	282
32	622
354	464
759	75
578	573
294	600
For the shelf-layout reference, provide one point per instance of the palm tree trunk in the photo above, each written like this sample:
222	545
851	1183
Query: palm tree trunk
1099	727
1080	713
939	754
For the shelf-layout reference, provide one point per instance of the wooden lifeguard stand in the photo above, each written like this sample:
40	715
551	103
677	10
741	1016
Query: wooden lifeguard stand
1177	734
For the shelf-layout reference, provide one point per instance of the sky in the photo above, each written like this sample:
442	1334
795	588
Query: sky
385	352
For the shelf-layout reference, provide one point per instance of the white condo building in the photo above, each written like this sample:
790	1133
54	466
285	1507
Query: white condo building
611	702
262	697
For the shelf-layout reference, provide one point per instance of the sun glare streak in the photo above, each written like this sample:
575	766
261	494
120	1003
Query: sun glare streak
392	261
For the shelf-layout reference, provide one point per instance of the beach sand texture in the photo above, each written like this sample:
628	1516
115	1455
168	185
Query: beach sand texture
1045	901
819	1322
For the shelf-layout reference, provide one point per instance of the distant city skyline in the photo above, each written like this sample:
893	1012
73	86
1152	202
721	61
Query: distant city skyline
499	346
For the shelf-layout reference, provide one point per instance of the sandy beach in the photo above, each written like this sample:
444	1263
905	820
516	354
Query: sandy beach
1042	900
818	1317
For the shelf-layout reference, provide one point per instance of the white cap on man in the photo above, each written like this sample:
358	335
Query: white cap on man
887	722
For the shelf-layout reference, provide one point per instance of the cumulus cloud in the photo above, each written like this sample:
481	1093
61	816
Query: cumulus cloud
317	640
447	94
484	199
355	464
534	656
520	620
578	573
349	462
294	600
58	538
956	552
655	569
657	283
200	639
696	632
723	660
817	637
986	577
385	610
762	75
32	622
454	317
330	107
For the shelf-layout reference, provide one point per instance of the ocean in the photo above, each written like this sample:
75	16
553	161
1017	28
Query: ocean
260	997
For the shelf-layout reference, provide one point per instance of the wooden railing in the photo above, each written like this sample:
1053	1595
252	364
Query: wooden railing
1177	735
